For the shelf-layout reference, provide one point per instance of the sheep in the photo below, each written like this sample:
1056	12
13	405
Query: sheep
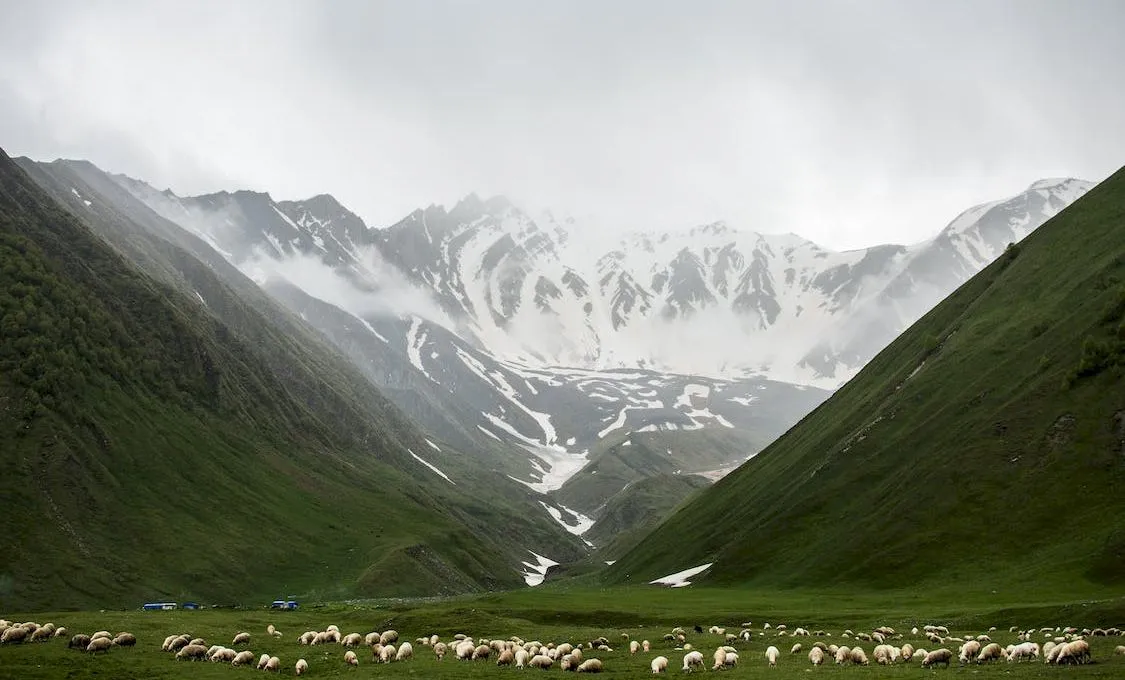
693	660
991	652
659	665
100	634
194	641
224	655
771	655
262	661
243	658
1119	649
301	667
859	657
192	652
482	652
352	640
907	652
371	638
242	638
646	646
79	641
274	664
306	637
42	633
969	651
439	650
796	649
387	654
103	645
731	660
350	658
816	656
843	655
1024	650
1077	651
405	652
125	639
389	637
883	655
590	666
634	647
720	659
506	658
937	656
540	661
522	657
270	630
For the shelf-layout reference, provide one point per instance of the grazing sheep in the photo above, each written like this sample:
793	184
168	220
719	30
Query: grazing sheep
859	657
194	641
274	664
350	658
101	634
439	650
193	652
522	658
942	656
771	655
590	666
506	658
389	637
405	652
659	665
103	645
79	641
1077	651
387	654
918	654
634	647
241	639
540	661
731	660
352	640
125	639
243	658
225	655
991	652
883	655
720	659
907	652
796	649
969	651
693	660
1119	649
816	656
262	661
482	652
843	654
307	637
301	667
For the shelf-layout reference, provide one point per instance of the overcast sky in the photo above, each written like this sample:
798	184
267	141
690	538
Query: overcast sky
850	123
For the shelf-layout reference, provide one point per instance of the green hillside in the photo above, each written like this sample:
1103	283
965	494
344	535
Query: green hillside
986	445
151	450
630	514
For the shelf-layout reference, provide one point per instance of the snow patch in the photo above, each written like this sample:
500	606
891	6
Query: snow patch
432	467
433	445
582	525
536	573
680	578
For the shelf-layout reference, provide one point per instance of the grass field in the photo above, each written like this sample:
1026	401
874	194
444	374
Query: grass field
576	614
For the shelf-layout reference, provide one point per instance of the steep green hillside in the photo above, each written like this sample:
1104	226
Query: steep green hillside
150	450
630	514
986	444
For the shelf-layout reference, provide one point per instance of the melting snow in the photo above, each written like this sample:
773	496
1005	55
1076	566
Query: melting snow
205	302
558	466
537	572
610	562
583	522
432	467
680	578
415	338
433	445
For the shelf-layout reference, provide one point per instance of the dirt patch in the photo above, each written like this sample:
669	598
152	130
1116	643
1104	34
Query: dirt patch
1061	431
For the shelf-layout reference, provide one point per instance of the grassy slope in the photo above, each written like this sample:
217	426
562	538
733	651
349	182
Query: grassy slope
630	514
150	452
962	452
577	615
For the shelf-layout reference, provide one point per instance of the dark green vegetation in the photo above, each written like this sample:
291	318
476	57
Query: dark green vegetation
564	614
630	514
984	446
155	446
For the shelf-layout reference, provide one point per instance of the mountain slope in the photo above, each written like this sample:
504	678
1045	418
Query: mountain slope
985	445
151	449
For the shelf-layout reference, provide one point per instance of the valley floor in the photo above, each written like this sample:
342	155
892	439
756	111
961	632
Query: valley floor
569	613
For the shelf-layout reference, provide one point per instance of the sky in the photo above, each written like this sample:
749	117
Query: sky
850	123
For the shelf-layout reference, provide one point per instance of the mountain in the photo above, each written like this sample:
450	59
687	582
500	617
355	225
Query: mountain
169	430
526	343
983	449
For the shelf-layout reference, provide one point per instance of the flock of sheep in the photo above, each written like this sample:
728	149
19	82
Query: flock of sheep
1061	646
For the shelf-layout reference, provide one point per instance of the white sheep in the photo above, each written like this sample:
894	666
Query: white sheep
439	650
816	656
274	664
634	647
590	666
103	644
350	658
991	652
223	655
796	649
659	665
731	659
859	657
942	656
352	640
772	654
405	652
969	651
388	637
541	661
387	654
506	658
720	659
522	657
843	654
241	639
262	661
301	667
693	660
243	658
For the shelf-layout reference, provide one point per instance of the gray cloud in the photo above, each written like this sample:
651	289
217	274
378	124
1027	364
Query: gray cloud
849	123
